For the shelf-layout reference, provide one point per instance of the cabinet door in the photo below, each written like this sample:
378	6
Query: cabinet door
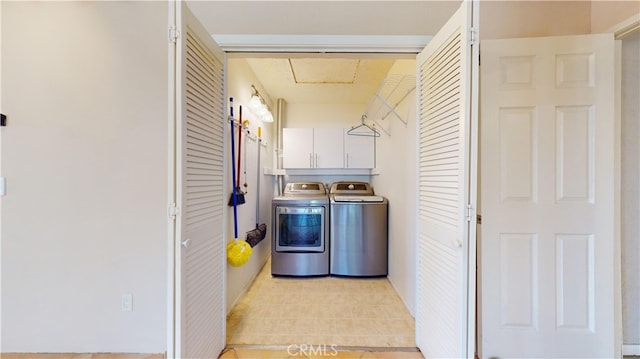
328	144
359	151
297	148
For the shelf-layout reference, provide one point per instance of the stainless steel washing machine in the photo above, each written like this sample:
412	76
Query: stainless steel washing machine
359	230
300	230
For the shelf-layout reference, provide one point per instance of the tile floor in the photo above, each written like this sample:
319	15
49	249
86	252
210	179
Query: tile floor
79	356
235	353
345	312
317	354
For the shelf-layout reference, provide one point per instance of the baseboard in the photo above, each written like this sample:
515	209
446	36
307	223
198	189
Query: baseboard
631	349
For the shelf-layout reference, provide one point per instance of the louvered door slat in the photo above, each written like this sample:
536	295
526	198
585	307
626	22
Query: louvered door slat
447	107
443	101
444	85
443	144
201	84
195	116
446	126
204	137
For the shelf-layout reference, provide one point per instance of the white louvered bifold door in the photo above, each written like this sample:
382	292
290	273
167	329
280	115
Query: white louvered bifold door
200	245
445	317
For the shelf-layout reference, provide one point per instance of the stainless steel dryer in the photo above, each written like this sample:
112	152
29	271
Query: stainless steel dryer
359	236
300	230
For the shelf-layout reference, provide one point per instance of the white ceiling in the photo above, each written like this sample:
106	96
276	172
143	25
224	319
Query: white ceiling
326	17
320	80
317	77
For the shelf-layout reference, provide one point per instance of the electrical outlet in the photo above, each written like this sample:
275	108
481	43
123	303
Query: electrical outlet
127	302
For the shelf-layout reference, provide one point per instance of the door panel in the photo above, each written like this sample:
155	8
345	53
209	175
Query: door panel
199	245
328	145
445	319
549	202
359	151
297	147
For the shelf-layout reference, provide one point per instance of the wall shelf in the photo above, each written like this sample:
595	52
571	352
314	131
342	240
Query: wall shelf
273	171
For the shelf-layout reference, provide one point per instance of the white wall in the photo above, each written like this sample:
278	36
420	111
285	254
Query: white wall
239	80
85	156
396	163
323	115
631	189
511	19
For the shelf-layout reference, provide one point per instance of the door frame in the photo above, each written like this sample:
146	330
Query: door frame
172	82
384	44
290	45
396	46
621	31
626	27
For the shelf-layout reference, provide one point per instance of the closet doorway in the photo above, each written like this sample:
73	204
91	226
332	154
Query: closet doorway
344	311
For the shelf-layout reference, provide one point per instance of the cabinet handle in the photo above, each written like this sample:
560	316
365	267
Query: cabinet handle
310	160
316	161
347	166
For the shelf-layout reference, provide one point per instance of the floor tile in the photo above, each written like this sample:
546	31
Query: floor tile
55	356
316	352
126	356
350	311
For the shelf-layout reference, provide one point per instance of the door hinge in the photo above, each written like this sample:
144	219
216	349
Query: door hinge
174	34
173	211
469	212
473	36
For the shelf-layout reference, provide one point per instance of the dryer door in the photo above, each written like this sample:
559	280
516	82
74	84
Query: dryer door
300	229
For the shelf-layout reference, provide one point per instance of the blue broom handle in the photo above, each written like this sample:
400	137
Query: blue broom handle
233	173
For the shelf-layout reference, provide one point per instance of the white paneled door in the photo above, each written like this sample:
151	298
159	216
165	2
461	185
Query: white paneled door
197	329
550	246
447	108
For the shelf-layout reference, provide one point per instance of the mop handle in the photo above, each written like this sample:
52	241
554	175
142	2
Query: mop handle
258	179
233	173
237	181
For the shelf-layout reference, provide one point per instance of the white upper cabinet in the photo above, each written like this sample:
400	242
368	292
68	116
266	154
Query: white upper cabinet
326	148
359	151
312	148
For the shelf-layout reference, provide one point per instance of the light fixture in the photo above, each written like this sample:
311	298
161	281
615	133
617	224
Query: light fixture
268	117
255	104
259	106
